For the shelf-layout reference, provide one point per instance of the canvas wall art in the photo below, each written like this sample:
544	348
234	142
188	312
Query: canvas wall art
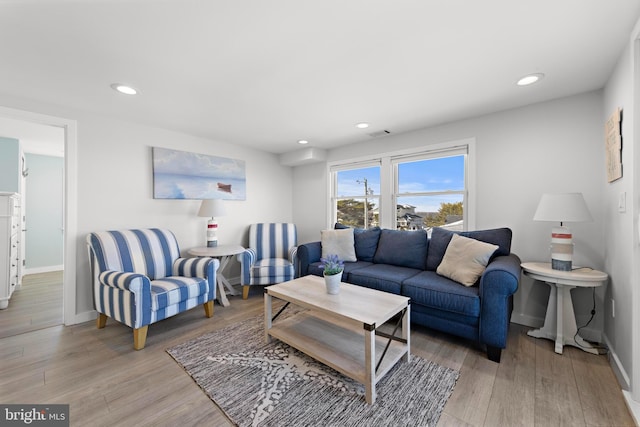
184	175
613	145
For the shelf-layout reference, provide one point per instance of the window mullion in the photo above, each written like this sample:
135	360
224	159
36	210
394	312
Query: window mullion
387	210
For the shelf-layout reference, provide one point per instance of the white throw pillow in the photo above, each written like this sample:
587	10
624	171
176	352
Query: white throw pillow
465	259
339	242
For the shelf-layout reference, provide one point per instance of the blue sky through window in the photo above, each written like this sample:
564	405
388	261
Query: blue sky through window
430	175
351	182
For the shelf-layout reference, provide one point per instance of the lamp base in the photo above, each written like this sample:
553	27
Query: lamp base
212	233
557	264
561	249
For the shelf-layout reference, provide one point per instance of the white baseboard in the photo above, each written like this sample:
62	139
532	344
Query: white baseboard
633	405
526	320
46	269
86	316
618	369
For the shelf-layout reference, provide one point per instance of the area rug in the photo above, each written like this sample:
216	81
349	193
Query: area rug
259	384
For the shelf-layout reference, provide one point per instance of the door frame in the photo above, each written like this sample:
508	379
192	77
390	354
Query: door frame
70	202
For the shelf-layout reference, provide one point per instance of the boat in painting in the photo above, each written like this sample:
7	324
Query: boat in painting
224	187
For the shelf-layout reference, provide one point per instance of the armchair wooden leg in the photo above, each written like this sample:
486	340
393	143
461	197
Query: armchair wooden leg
208	308
101	321
140	337
245	292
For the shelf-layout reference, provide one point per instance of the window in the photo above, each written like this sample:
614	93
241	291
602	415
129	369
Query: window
405	191
429	192
357	196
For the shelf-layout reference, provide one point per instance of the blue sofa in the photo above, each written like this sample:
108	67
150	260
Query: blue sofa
405	263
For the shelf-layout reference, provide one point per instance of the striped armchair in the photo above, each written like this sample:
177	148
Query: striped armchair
139	278
271	256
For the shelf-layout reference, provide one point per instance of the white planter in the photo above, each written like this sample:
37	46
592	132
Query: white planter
332	283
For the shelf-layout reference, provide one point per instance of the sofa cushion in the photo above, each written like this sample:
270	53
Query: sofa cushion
432	290
382	277
465	259
402	248
340	243
176	289
366	241
272	270
440	240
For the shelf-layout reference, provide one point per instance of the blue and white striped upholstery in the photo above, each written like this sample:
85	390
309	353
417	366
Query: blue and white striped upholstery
139	278
271	256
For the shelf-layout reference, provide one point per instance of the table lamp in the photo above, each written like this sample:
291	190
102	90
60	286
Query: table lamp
562	207
212	208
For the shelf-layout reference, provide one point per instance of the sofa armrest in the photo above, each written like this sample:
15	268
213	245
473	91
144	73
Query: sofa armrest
499	282
308	253
131	291
246	260
132	282
201	267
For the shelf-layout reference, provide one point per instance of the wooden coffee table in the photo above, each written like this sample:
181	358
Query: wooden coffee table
341	330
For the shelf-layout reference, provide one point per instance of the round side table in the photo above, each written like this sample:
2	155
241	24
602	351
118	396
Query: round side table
224	253
560	320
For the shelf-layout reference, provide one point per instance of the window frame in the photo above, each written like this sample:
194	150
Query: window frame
334	197
388	178
431	155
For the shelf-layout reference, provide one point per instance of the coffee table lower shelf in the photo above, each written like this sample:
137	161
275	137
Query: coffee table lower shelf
340	346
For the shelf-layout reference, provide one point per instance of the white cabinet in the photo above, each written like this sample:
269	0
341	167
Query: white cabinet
10	253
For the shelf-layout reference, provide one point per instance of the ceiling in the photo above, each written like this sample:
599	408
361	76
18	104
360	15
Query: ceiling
265	74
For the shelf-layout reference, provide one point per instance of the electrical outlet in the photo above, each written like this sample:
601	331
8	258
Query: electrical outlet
613	308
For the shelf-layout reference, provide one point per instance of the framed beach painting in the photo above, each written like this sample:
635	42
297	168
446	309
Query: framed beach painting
184	175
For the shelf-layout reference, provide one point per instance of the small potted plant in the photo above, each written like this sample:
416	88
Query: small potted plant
333	267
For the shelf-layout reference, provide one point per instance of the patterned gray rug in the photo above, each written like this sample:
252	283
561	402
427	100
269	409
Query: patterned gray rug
259	384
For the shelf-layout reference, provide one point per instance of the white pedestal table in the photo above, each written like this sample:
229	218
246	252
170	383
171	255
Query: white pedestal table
224	253
560	320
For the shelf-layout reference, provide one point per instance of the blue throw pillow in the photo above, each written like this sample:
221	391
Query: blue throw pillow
402	248
441	237
366	241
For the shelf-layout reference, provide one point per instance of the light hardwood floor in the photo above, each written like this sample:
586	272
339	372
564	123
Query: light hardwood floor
107	383
35	305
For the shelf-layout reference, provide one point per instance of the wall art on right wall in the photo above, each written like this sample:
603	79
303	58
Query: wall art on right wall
613	145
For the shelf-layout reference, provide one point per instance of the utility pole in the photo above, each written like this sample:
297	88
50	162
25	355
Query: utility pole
366	193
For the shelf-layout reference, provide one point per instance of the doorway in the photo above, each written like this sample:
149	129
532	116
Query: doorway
63	274
37	302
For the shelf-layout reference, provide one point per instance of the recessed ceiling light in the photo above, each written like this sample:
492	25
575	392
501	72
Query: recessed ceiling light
530	79
303	141
362	125
127	90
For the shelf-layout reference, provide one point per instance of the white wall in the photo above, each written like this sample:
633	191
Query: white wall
114	186
555	146
621	239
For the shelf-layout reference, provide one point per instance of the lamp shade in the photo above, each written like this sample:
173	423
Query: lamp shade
562	207
212	208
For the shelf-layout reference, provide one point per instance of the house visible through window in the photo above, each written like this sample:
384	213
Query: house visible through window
411	191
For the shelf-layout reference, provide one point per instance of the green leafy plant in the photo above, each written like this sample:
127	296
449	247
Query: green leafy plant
332	264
